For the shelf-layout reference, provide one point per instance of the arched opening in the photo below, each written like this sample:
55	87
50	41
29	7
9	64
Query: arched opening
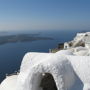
47	82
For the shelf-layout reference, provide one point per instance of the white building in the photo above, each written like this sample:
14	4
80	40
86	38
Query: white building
63	70
81	39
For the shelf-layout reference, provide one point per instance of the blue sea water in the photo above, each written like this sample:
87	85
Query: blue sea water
11	54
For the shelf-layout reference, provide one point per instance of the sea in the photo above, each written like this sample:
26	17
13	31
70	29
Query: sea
11	54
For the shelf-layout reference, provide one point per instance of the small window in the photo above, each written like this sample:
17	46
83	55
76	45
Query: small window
47	82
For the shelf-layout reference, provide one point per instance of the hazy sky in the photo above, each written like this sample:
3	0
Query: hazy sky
44	14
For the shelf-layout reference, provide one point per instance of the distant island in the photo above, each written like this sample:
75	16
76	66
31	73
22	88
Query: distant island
22	38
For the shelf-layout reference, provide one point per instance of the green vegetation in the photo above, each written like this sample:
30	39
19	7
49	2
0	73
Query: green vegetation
60	47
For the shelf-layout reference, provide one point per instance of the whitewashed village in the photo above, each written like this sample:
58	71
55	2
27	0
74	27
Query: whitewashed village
67	68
